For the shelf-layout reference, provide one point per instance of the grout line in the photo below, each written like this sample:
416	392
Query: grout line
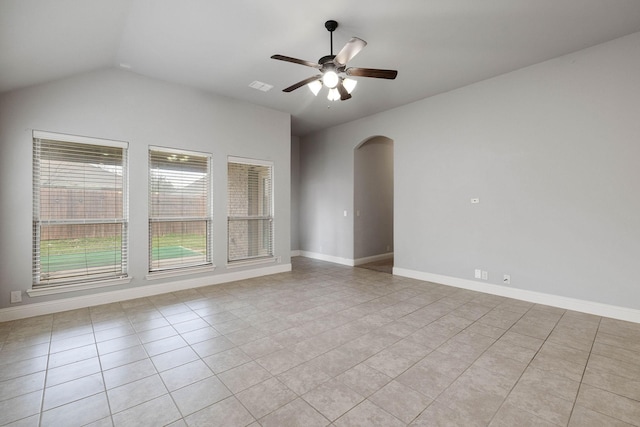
46	374
528	364
584	370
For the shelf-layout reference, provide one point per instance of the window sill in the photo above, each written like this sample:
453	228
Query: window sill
179	272
59	289
257	261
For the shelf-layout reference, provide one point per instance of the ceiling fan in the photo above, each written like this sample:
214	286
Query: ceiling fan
334	67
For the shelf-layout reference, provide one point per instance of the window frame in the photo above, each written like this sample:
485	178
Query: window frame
270	257
78	281
185	268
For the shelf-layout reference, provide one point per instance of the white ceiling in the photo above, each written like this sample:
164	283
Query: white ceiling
221	47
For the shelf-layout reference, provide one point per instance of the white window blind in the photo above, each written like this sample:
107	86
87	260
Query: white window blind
179	209
80	212
250	210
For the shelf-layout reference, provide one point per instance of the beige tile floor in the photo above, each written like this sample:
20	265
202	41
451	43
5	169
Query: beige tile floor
322	345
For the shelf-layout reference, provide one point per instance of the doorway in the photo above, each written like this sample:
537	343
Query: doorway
373	204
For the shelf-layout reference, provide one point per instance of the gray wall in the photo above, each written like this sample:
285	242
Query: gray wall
326	192
119	105
295	193
552	152
373	198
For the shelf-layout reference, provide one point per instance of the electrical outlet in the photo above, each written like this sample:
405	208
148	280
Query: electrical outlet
485	275
506	279
16	296
477	273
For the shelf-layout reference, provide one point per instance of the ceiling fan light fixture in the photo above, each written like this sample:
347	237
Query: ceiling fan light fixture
333	68
315	87
330	79
333	94
349	85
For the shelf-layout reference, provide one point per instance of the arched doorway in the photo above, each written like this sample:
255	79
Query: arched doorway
373	204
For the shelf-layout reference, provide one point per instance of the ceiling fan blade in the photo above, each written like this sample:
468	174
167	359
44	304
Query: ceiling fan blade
344	95
351	49
302	83
296	61
371	72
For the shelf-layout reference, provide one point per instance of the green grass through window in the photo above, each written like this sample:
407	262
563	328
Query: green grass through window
71	254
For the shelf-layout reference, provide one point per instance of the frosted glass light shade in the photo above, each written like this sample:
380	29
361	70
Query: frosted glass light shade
330	79
333	95
349	84
315	87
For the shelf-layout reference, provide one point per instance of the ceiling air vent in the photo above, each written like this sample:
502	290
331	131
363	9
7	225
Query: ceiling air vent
261	86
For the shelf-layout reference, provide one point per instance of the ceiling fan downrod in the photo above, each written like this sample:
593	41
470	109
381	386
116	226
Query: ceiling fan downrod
331	26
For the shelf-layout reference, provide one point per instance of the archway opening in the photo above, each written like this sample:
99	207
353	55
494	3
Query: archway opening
373	204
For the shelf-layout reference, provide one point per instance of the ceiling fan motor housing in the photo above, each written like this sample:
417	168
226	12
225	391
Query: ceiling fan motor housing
328	65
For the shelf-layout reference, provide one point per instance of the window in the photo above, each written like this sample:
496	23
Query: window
250	209
79	209
179	209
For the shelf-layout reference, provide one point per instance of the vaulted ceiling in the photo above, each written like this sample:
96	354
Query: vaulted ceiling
222	47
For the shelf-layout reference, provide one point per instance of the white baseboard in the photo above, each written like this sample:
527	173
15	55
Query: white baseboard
56	306
296	252
590	307
374	258
329	258
345	261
